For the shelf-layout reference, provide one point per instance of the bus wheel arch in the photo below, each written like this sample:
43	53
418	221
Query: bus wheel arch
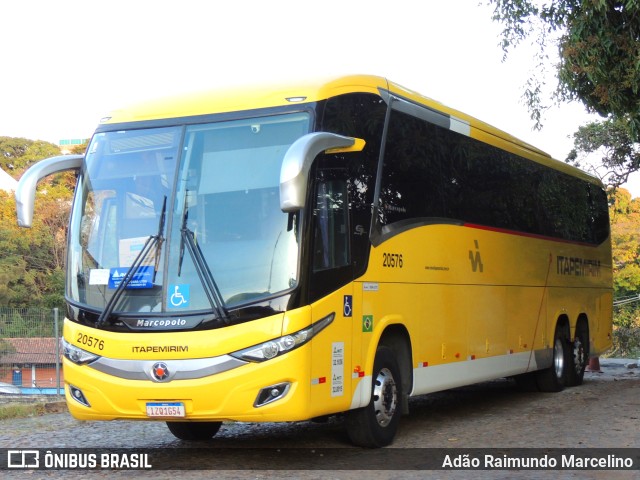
579	352
555	377
397	338
375	425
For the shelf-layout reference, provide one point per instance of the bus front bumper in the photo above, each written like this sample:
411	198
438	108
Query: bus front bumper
274	390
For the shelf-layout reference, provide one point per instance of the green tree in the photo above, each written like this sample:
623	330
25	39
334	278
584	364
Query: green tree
21	249
79	149
17	154
599	51
32	260
625	239
612	140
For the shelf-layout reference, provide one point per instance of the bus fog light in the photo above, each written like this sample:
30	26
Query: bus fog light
271	394
78	396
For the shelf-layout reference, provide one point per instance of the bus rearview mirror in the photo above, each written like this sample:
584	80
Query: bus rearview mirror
297	162
26	189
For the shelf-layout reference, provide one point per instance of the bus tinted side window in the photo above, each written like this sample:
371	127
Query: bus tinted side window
434	175
358	115
331	223
412	186
344	185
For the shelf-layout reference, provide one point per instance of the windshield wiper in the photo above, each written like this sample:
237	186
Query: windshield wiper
160	238
152	241
202	268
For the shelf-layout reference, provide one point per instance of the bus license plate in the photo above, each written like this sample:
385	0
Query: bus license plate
165	410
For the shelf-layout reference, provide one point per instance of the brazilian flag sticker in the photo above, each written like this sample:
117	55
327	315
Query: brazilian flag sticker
367	323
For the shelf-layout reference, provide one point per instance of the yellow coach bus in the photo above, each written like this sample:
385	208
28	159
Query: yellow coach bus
326	248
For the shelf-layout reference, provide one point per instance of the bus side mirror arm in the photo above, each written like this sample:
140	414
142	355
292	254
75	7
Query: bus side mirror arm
26	189
297	162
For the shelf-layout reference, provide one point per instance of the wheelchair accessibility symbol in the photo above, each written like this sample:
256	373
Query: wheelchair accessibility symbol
348	306
178	296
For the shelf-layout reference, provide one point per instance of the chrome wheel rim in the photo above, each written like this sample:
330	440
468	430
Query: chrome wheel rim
385	397
558	358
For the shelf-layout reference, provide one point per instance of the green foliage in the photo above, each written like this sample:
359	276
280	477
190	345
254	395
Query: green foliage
599	46
79	149
6	348
599	49
626	334
32	259
10	411
625	238
613	140
625	243
17	154
600	58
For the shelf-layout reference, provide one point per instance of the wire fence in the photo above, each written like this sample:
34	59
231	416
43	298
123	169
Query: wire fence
617	302
30	361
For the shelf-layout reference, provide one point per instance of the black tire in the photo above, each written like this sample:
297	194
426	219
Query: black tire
579	355
194	430
376	424
554	378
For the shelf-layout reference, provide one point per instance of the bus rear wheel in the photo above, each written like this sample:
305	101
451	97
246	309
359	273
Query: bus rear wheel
194	430
579	355
376	424
554	378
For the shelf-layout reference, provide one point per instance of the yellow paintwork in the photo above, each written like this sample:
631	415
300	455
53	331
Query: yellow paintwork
454	315
232	100
230	339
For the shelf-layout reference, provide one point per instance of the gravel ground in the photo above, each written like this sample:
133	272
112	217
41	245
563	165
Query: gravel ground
602	413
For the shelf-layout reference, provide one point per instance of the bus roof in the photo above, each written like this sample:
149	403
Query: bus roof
265	96
245	98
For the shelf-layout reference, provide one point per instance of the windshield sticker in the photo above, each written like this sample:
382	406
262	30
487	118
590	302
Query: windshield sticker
130	248
99	276
142	278
178	296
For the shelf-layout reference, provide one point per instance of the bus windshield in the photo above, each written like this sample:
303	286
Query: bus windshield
208	197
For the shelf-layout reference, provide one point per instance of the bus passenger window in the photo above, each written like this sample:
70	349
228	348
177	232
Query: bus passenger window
331	241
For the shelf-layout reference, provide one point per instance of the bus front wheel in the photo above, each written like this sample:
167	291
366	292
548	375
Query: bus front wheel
194	430
376	424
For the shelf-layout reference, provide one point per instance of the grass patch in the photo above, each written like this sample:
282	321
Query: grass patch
626	342
21	410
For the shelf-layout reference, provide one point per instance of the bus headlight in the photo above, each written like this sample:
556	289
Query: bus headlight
287	343
77	355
